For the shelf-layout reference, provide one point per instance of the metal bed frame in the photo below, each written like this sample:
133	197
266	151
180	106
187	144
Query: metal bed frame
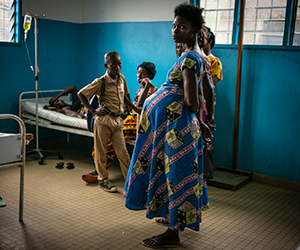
21	162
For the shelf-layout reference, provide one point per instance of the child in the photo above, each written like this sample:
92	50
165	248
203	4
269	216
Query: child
108	122
145	72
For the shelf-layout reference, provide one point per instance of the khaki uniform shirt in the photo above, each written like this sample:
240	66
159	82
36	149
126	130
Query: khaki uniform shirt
113	93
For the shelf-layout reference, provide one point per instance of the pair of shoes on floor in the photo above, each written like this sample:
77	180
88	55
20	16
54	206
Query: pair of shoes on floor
91	177
2	203
69	166
107	186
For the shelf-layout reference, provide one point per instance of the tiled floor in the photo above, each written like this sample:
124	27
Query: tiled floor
62	212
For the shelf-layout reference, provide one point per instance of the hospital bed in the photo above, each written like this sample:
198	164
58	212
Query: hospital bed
28	104
51	119
12	153
47	118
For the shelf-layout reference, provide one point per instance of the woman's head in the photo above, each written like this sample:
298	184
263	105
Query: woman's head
206	39
211	38
179	49
146	69
187	22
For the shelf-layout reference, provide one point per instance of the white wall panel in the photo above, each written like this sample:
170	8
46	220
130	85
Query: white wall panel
60	10
98	11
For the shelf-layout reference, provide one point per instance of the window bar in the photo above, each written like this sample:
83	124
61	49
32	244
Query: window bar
228	28
12	22
255	22
18	20
290	22
235	28
2	22
271	17
217	16
13	34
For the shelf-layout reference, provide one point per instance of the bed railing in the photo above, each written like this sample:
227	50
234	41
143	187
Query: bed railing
30	96
20	163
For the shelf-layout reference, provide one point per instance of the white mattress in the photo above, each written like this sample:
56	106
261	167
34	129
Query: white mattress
30	107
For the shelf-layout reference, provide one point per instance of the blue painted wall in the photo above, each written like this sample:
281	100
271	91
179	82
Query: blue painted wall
59	46
136	42
269	117
72	53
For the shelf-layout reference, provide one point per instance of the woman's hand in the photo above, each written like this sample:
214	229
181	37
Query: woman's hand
210	124
146	81
206	133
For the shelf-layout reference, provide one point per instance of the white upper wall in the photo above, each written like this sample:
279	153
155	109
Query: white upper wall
99	11
61	10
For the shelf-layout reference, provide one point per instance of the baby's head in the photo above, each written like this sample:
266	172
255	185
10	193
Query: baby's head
113	62
146	69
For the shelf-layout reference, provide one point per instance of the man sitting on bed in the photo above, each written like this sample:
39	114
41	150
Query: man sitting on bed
75	109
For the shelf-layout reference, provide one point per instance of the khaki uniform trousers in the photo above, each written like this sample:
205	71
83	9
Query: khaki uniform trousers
109	127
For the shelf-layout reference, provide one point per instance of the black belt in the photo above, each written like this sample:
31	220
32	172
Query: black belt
111	113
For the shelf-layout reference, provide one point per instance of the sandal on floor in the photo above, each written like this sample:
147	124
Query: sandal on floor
2	203
59	165
157	244
90	177
70	166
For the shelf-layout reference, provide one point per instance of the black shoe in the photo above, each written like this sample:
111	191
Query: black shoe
70	165
108	186
60	165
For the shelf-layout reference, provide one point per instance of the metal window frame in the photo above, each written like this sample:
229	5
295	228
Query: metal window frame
233	31
290	22
15	38
289	26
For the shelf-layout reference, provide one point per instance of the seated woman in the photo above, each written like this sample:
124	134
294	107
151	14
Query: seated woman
75	109
146	72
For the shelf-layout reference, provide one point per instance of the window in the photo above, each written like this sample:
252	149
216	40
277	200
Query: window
264	22
219	16
296	40
8	21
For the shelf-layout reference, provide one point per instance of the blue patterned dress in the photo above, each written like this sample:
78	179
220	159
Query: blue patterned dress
165	176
